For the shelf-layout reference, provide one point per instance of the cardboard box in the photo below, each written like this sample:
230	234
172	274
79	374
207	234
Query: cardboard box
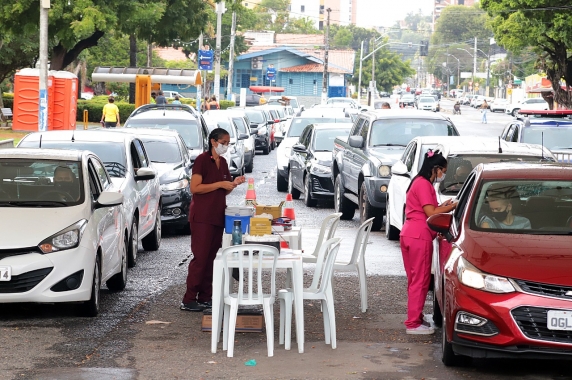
247	320
275	211
260	226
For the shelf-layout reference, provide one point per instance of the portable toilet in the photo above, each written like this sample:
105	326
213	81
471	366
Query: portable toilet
62	100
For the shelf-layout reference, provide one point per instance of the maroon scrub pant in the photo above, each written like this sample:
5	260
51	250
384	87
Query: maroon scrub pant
206	239
417	255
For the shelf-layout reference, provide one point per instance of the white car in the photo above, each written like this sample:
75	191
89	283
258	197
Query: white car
62	228
126	161
537	104
292	101
171	95
427	103
498	104
463	154
478	101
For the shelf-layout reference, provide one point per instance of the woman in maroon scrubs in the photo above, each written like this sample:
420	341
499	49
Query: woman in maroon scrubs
210	183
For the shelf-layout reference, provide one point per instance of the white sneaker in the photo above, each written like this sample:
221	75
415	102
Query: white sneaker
421	330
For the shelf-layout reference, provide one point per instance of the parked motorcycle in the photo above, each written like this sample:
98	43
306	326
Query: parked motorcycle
457	109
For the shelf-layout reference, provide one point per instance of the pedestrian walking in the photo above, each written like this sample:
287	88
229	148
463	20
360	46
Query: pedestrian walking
110	114
160	99
205	104
211	182
214	103
416	239
176	101
484	109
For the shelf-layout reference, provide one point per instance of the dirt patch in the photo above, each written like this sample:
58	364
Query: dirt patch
17	136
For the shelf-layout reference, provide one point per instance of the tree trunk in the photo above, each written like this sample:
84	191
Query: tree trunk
132	63
62	57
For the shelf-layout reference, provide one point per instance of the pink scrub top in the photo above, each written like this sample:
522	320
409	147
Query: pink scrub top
421	193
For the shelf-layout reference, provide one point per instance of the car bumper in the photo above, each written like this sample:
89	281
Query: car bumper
322	186
37	274
175	207
514	327
261	141
377	191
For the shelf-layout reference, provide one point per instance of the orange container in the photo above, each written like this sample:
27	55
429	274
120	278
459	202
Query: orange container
62	100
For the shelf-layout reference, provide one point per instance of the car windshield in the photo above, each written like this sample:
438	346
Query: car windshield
539	207
555	138
40	183
299	123
256	117
162	149
398	132
111	153
324	138
220	123
188	129
240	124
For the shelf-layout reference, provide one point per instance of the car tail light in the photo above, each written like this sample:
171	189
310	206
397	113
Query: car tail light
277	121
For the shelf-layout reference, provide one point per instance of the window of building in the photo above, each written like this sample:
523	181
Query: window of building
290	81
314	81
321	25
321	9
302	8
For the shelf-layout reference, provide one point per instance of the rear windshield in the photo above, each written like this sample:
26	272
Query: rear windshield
256	117
162	150
556	138
40	183
298	124
188	129
398	132
324	138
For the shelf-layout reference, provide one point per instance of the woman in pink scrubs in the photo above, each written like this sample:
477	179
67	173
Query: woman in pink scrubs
417	239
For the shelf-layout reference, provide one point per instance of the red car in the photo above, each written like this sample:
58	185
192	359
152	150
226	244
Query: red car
503	278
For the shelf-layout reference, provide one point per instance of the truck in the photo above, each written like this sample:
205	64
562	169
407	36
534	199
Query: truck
361	166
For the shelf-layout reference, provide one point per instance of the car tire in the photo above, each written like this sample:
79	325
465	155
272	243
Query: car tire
118	282
266	149
341	203
133	243
308	200
152	242
448	356
281	183
391	232
291	189
250	166
90	308
366	210
515	111
437	315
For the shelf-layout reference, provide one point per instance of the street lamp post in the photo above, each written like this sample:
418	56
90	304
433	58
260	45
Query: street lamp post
488	70
474	66
458	68
43	77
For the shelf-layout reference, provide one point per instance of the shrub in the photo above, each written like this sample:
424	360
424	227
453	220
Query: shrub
95	106
224	104
8	100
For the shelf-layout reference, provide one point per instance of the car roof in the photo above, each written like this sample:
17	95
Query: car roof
321	126
95	135
452	145
322	112
148	131
525	170
43	154
405	114
159	111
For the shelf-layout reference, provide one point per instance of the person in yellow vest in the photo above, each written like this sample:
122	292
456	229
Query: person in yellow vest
110	114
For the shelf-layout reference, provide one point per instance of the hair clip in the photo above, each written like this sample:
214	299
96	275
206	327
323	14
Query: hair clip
430	153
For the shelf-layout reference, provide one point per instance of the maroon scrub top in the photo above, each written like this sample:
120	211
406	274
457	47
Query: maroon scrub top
209	208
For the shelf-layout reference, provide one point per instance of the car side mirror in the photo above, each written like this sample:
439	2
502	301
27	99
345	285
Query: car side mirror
302	108
145	174
270	122
243	136
440	223
356	141
108	199
299	148
399	168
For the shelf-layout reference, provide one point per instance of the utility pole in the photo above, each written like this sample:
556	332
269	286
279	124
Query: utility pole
231	58
474	65
43	85
359	77
220	9
326	52
199	87
372	87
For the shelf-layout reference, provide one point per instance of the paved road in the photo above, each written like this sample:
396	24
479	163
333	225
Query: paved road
50	342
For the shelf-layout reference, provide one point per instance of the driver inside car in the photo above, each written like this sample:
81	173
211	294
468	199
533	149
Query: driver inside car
500	200
64	181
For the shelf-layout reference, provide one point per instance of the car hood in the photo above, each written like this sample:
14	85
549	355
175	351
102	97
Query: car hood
168	172
26	227
388	154
539	258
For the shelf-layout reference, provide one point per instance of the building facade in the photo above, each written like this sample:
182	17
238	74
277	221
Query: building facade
343	11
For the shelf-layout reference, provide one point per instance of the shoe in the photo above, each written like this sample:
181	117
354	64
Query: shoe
193	306
421	330
206	304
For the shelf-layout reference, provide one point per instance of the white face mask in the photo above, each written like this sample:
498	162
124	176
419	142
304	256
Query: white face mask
441	178
221	149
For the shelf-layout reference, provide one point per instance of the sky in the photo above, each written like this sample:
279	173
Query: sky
387	12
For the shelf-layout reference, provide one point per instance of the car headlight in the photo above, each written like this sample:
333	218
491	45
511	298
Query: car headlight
65	239
262	131
471	276
384	171
180	184
320	169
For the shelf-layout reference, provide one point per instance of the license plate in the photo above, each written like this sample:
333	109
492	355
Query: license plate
5	273
559	320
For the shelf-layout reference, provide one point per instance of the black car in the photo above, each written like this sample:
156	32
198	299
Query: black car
407	100
260	124
384	94
170	158
311	162
254	100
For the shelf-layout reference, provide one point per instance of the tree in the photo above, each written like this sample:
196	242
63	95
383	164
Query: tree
301	25
16	51
390	70
459	24
272	15
413	19
546	28
343	38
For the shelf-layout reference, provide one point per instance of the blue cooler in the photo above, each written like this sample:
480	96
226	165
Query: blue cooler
242	213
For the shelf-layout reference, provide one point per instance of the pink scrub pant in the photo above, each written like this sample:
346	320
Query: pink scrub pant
417	261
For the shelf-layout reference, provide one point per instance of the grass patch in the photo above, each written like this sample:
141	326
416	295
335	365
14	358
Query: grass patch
17	136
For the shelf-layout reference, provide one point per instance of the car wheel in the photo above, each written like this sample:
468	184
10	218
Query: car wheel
266	149
308	200
152	242
281	183
133	244
391	232
437	315
366	210
341	203
118	281
291	189
515	112
250	166
90	308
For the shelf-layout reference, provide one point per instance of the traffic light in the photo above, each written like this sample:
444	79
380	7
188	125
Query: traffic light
424	49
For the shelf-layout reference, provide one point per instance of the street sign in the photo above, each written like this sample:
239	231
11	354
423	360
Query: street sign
270	73
206	58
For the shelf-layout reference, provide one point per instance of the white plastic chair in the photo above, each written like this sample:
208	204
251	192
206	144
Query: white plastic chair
254	295
320	289
357	261
327	231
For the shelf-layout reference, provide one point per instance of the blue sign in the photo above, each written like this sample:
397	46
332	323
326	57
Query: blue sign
206	58
270	73
43	111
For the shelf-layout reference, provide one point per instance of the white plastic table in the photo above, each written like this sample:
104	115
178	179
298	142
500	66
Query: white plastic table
293	237
291	261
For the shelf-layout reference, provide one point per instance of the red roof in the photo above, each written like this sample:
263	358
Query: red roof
311	68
